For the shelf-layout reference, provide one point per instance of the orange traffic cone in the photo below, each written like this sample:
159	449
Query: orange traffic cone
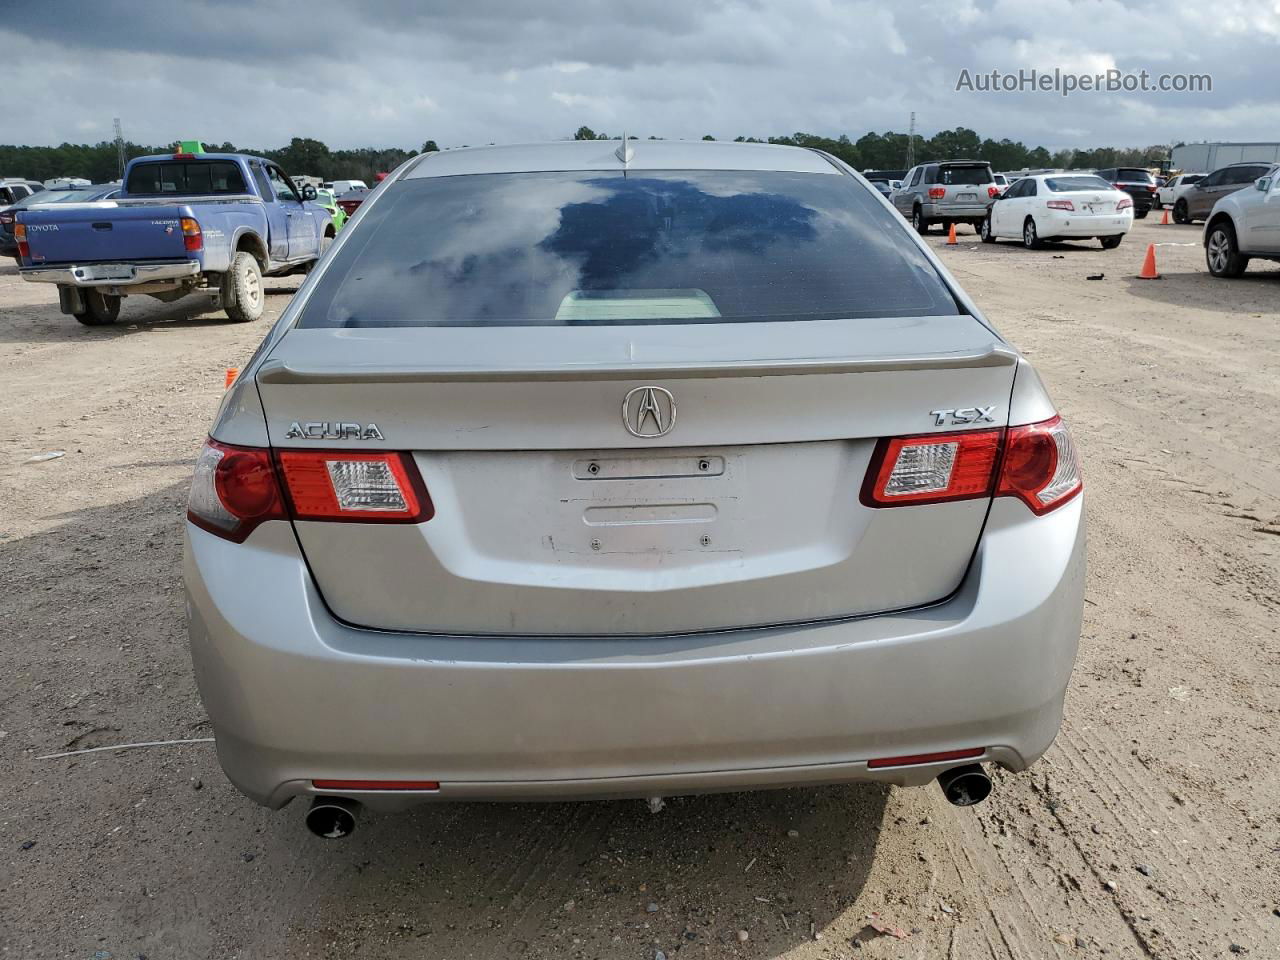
951	236
232	373
1149	271
1164	221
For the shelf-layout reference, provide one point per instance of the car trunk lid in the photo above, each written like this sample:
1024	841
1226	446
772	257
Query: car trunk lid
552	517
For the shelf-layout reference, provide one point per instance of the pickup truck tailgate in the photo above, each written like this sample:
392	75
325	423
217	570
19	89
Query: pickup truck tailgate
89	233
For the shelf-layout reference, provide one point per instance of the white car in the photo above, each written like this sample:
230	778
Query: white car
1056	206
1175	187
341	187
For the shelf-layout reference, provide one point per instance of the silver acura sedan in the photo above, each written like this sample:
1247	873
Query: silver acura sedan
601	469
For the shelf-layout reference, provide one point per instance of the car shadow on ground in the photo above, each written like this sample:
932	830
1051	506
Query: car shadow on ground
169	860
1253	292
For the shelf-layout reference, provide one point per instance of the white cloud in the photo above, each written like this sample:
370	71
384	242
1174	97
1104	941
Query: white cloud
507	70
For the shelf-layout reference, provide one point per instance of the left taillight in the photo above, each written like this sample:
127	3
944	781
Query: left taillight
192	237
1060	205
233	490
20	235
236	488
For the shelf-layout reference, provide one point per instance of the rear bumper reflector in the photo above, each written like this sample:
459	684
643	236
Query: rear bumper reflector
376	784
919	758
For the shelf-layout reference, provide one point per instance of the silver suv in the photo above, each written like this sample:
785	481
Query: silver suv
953	191
1197	201
1243	225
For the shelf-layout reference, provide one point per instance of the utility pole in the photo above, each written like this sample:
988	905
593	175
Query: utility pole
119	149
911	142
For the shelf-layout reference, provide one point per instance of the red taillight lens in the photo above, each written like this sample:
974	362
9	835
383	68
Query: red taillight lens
1125	203
20	235
932	468
376	784
1040	466
937	193
993	191
914	759
192	238
1060	205
365	487
233	490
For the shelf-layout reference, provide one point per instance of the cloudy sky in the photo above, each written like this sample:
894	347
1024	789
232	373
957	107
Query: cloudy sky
397	72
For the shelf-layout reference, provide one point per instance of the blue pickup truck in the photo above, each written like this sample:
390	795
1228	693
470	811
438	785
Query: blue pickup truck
186	223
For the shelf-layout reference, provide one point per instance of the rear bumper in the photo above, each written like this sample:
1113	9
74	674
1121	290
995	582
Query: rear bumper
1062	223
98	274
294	695
956	211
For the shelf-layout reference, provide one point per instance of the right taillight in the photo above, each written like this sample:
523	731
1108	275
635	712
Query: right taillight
236	488
937	193
1035	463
1040	466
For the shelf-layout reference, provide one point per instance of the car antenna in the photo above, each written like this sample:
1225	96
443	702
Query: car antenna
624	152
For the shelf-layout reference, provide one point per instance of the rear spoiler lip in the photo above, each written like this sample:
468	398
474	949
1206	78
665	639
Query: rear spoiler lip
281	371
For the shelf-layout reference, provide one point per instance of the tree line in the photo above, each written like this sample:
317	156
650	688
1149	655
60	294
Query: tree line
305	156
888	151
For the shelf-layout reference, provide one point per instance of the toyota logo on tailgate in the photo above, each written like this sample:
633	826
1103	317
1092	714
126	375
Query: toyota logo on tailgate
648	412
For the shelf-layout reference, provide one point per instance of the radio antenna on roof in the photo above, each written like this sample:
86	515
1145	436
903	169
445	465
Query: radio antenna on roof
624	151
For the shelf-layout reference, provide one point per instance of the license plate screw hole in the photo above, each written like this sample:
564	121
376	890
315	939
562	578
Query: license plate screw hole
595	544
704	465
593	468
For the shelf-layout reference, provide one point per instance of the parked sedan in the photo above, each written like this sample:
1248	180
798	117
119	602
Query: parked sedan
1060	206
1243	225
594	469
1197	201
9	216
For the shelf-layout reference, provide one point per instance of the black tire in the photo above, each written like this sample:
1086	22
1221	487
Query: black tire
919	221
243	298
1222	253
984	231
1140	214
100	309
1030	238
1110	243
1180	212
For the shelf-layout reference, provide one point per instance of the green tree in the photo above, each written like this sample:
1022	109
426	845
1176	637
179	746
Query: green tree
430	147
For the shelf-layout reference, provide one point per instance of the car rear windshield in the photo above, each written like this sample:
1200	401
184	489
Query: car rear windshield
1067	184
1134	175
640	248
966	175
187	178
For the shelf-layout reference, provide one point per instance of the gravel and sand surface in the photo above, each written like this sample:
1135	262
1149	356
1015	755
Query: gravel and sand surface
1151	828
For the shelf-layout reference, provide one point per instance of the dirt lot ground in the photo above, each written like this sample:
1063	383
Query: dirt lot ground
1151	829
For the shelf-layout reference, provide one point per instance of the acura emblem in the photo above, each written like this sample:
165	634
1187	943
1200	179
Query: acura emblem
648	412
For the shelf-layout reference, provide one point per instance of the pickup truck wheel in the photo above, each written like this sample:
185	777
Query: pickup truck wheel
242	295
100	310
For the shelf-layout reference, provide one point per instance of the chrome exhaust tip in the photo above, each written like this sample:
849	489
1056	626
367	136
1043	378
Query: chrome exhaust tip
333	818
965	786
